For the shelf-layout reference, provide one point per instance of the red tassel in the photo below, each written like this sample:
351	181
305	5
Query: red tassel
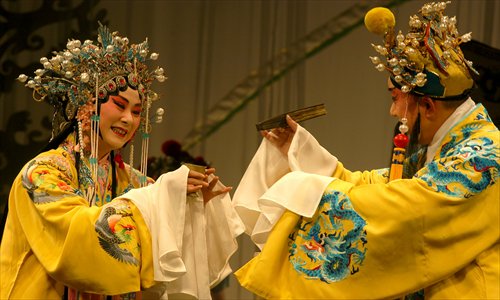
398	156
119	160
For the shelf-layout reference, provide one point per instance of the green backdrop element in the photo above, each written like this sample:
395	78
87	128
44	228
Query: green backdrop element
282	63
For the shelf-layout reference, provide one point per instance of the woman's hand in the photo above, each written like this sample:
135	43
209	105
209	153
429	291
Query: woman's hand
208	192
198	181
281	137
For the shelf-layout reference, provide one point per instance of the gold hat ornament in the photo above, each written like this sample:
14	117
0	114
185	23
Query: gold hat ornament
427	60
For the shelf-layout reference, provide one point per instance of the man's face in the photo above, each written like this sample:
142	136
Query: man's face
404	105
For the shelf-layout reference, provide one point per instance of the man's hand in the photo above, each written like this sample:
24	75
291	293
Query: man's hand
281	137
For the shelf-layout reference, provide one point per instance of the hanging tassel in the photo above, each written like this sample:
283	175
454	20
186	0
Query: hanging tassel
131	158
145	144
398	156
81	145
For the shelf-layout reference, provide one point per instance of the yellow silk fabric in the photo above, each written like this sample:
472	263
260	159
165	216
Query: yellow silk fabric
421	233
403	255
52	239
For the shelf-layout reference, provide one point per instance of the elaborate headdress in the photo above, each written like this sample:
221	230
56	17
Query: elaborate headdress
75	77
427	60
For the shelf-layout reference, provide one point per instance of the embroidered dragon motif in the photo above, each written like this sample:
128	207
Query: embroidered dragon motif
466	165
331	245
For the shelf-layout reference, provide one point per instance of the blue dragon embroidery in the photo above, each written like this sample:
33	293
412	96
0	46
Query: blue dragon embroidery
467	165
319	249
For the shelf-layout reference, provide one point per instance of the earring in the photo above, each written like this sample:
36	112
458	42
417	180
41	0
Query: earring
403	128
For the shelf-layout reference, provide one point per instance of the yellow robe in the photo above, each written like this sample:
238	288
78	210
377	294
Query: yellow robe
374	239
53	238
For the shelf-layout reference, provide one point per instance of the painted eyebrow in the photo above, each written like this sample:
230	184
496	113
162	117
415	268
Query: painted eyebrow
125	99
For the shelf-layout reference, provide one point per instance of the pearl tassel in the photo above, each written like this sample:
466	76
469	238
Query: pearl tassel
145	144
131	158
80	138
144	158
94	143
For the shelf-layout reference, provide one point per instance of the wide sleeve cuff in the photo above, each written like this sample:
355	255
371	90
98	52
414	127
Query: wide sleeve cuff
298	192
192	242
264	193
307	155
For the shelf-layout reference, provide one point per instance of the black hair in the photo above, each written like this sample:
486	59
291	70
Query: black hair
58	139
113	174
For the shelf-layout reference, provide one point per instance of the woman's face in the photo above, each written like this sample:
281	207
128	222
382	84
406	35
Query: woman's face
120	118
